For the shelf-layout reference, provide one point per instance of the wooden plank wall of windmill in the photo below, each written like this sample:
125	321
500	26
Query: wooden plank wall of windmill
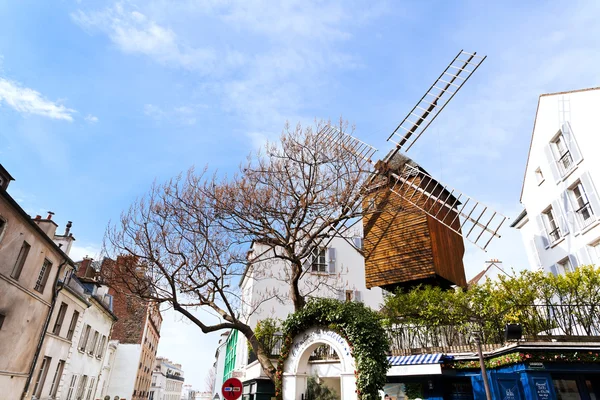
404	246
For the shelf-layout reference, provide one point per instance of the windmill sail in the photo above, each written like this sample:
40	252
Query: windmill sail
433	102
460	213
333	136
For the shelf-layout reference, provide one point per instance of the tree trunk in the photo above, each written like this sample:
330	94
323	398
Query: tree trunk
297	298
263	357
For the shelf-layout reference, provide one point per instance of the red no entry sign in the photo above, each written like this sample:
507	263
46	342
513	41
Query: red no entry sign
232	389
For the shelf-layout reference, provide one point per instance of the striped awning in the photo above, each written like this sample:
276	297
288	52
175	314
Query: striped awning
416	359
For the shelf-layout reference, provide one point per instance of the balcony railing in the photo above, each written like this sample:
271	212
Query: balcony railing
565	162
539	322
584	215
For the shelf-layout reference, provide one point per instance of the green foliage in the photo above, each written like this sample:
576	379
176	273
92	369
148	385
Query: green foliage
265	332
574	299
413	390
318	391
359	325
545	356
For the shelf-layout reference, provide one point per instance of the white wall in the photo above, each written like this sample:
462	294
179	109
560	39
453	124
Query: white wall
584	121
266	279
124	370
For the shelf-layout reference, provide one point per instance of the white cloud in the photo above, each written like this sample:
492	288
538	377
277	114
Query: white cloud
92	119
79	252
184	115
133	32
29	101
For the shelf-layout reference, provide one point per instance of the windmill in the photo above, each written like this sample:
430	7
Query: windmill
414	225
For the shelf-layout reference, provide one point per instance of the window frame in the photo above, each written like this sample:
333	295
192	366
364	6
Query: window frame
92	345
72	324
318	254
581	204
563	263
81	387
3	225
62	311
41	377
56	379
44	274
551	225
539	176
72	386
83	339
20	261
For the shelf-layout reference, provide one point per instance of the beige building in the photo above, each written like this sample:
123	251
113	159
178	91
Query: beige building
32	260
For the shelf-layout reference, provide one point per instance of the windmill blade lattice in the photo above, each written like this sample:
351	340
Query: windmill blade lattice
434	101
460	213
333	136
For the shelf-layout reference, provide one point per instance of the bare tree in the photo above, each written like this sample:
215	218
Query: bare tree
184	243
209	381
293	198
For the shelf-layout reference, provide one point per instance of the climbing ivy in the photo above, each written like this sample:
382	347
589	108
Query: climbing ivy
362	329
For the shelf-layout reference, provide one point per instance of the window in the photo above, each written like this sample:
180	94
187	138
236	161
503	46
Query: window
59	319
90	389
72	325
2	227
100	349
583	210
81	388
40	284
16	272
84	338
562	155
92	345
56	379
41	377
551	225
348	295
2	316
539	177
72	387
318	260
594	252
565	265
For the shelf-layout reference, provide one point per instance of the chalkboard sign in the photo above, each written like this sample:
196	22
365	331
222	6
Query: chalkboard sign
509	389
541	388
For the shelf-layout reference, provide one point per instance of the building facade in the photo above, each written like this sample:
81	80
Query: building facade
334	271
137	332
33	258
560	225
167	380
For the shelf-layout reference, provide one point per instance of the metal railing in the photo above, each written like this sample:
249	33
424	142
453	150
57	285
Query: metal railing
565	162
540	323
584	215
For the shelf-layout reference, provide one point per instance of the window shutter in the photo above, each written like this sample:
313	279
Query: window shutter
357	296
583	256
592	195
571	143
574	262
534	254
567	206
552	162
554	270
559	214
542	231
331	252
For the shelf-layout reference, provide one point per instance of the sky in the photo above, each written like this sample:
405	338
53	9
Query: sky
98	99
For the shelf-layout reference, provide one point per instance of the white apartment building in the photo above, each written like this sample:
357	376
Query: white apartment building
336	271
70	365
167	380
560	225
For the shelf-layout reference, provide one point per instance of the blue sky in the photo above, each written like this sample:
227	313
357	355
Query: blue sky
100	98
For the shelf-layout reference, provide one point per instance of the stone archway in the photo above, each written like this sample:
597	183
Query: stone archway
296	368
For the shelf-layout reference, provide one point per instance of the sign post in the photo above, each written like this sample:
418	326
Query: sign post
232	389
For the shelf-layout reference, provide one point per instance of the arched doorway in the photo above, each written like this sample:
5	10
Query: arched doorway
297	367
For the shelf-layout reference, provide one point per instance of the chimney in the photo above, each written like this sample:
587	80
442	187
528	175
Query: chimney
65	241
47	225
85	266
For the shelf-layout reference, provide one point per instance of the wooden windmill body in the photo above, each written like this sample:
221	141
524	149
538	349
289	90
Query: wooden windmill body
403	245
414	225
